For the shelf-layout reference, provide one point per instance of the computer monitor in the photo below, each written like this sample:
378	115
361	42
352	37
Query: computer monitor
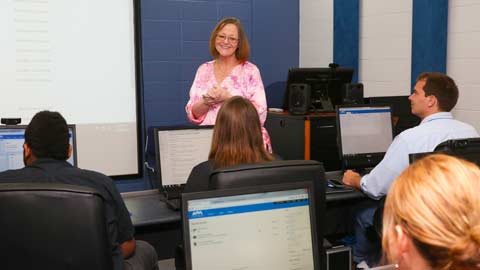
12	139
325	86
178	149
364	134
255	228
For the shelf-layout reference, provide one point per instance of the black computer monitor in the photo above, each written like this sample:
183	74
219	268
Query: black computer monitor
325	86
257	228
178	149
12	139
364	134
277	172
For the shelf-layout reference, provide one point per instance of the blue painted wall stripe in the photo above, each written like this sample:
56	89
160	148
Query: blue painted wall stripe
346	34
429	37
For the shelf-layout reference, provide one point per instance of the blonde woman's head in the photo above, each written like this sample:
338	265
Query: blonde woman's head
435	204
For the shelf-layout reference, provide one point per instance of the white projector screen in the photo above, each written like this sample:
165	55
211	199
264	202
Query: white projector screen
77	58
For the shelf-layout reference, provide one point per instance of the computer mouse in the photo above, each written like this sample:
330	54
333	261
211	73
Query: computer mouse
334	183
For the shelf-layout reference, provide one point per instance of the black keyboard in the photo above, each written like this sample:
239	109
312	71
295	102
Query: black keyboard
173	191
172	196
174	204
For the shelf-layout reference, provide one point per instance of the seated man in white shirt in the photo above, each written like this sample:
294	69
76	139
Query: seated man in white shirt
433	98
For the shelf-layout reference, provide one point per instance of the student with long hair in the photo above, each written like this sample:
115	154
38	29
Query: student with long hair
432	216
237	139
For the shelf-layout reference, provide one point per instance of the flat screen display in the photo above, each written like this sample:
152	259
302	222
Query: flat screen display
11	147
365	133
256	230
178	150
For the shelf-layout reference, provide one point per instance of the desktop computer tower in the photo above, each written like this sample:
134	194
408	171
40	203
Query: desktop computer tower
339	258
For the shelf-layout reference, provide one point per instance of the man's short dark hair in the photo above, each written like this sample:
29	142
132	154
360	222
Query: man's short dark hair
442	87
47	135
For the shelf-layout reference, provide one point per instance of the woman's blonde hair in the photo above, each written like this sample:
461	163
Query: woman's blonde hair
243	47
237	135
437	203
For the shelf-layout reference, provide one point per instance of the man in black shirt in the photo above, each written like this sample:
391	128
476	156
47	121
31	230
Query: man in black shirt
45	152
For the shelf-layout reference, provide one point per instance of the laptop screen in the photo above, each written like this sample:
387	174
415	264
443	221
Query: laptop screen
178	150
255	228
12	139
365	133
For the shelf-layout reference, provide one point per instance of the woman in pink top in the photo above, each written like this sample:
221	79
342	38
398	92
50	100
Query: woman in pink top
229	74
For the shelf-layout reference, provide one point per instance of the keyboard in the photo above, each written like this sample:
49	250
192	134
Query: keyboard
174	204
172	196
173	191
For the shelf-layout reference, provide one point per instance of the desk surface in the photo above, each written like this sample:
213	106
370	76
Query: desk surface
342	196
147	208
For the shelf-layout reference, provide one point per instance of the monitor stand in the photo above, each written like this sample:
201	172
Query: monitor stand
323	105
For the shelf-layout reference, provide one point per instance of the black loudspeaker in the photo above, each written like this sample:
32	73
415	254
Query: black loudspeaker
352	93
299	98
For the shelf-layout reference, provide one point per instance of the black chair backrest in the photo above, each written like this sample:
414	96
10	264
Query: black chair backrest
468	149
53	226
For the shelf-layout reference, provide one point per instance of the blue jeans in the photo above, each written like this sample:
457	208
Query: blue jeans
367	246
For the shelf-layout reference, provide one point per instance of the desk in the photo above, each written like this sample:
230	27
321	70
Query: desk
161	226
147	208
342	196
341	207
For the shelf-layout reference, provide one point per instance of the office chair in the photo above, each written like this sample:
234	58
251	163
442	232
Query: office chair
53	226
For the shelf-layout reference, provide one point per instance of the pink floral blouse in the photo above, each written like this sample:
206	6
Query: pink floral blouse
244	80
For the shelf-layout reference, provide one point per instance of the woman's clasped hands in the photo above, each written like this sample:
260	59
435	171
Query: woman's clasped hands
216	95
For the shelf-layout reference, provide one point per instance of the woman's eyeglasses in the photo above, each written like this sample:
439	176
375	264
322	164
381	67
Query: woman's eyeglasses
229	39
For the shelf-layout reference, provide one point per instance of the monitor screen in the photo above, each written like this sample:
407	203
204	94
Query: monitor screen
178	150
365	133
12	139
325	86
255	228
